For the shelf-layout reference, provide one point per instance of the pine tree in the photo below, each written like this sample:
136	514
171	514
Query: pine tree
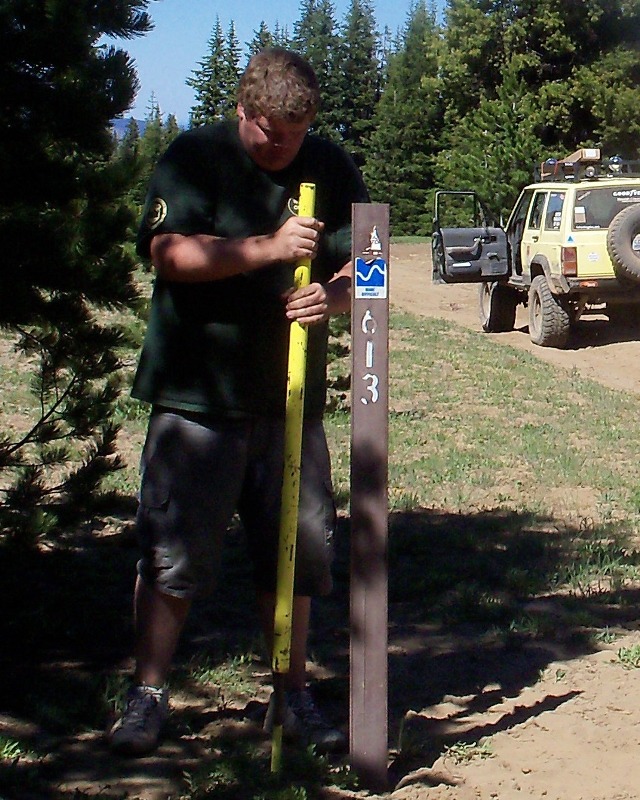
407	126
358	78
171	129
594	99
494	148
615	124
157	136
153	140
316	39
474	61
216	80
281	36
209	81
63	222
386	47
150	146
128	151
262	39
579	61
232	56
131	140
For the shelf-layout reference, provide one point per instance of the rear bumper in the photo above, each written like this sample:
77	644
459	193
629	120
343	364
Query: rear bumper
597	289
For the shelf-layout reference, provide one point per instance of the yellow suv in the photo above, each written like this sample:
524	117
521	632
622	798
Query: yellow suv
572	242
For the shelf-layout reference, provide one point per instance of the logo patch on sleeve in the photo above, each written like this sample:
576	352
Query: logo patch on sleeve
156	213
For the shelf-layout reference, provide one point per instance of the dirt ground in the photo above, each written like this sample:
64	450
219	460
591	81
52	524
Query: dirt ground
547	722
575	734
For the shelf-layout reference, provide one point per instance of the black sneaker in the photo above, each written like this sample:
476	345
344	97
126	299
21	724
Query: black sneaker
304	722
137	732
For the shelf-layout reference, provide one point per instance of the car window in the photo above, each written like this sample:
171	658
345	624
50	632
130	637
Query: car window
595	208
553	215
518	217
535	217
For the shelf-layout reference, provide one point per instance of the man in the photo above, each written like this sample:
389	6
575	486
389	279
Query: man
221	231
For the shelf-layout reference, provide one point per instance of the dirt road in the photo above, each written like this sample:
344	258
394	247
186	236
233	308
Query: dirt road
596	350
574	734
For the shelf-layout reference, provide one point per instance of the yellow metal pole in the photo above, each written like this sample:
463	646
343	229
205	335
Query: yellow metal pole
297	364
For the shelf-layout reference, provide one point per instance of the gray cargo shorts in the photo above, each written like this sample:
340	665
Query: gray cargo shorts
197	472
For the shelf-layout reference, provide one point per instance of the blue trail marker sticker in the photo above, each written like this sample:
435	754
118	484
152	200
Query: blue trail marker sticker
371	278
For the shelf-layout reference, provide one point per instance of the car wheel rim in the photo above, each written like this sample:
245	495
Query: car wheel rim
536	312
485	301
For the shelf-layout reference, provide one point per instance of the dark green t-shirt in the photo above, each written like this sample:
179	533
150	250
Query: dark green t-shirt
220	347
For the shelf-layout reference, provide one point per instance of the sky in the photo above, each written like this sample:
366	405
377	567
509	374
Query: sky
168	55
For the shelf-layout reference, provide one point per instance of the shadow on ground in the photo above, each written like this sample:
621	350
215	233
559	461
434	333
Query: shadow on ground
474	613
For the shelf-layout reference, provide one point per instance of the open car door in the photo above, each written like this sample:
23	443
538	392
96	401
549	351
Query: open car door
466	254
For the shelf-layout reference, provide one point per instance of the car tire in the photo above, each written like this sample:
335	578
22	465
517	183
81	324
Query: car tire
623	232
549	319
497	306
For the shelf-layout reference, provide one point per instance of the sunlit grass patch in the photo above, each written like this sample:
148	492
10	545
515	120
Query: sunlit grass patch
629	657
463	752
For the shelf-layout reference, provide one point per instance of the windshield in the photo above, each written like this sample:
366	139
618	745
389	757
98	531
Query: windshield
595	208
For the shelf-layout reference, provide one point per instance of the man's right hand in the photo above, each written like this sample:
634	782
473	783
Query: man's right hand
298	238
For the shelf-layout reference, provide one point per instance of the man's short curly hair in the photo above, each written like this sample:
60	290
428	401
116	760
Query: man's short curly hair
279	84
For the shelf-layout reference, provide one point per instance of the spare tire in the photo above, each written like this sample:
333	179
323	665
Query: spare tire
623	244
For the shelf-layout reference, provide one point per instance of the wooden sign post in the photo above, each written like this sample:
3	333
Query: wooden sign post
369	507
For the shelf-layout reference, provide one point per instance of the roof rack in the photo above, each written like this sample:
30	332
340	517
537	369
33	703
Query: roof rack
586	164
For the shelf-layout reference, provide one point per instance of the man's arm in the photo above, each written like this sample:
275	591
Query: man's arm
200	257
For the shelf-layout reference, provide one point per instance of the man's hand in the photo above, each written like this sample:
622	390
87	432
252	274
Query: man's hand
296	239
307	305
315	303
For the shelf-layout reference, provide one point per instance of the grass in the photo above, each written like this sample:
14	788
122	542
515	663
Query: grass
629	657
11	749
410	239
468	429
462	752
509	481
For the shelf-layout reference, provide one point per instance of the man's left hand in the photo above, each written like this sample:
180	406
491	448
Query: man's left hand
308	305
